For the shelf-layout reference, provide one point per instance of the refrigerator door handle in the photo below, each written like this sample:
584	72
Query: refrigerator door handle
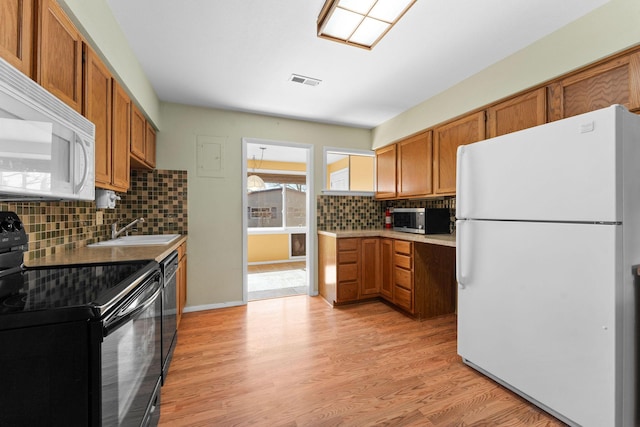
462	173
461	274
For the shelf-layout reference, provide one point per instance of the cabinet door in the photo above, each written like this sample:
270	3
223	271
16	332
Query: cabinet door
518	113
59	68
386	172
386	263
614	82
348	270
415	163
447	139
150	146
370	267
16	32
138	133
120	137
97	108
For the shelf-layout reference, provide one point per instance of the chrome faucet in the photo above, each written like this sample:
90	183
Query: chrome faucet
114	227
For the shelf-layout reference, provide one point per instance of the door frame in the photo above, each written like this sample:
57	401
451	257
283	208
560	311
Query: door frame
310	206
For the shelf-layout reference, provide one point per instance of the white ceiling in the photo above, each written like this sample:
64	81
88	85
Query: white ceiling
239	54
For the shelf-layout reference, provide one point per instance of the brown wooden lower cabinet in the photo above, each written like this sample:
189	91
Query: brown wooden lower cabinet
417	278
181	280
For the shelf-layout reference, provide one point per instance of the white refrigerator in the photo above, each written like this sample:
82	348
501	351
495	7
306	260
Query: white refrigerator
547	232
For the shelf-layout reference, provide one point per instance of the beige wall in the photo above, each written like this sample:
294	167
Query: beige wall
215	204
609	29
267	247
361	173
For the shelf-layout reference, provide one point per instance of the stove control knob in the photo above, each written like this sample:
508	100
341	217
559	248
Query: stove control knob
17	225
6	226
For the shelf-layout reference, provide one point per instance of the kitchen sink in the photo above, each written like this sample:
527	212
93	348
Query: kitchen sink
151	239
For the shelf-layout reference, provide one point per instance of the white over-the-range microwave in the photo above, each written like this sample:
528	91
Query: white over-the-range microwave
47	149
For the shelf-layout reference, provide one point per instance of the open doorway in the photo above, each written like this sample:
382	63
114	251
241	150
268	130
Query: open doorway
277	213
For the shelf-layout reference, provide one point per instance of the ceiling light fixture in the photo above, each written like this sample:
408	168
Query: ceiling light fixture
360	23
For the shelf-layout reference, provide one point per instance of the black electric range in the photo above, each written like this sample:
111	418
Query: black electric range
80	343
37	296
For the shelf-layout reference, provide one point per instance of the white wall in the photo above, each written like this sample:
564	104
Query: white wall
609	29
215	204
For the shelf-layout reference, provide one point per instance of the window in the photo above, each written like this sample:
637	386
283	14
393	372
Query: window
279	205
348	171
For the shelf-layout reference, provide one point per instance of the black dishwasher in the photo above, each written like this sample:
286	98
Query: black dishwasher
169	266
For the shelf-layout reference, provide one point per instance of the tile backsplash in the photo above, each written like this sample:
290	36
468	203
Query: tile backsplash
364	212
160	196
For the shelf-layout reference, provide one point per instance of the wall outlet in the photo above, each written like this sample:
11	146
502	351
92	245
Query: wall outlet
99	217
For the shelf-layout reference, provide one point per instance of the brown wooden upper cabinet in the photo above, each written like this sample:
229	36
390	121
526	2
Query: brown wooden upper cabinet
447	139
150	144
613	82
521	112
386	172
16	34
414	166
97	108
120	137
143	142
59	54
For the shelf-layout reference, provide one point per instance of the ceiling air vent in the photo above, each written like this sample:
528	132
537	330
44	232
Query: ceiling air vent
296	78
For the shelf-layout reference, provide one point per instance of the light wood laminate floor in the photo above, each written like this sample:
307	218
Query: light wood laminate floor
296	361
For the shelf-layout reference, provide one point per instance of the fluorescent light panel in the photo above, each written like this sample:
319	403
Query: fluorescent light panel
360	23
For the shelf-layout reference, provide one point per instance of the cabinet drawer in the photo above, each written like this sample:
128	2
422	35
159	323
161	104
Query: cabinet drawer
403	298
347	291
403	261
347	272
402	247
347	244
347	257
403	278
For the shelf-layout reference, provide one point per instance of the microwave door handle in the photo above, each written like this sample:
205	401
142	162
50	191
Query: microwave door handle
78	185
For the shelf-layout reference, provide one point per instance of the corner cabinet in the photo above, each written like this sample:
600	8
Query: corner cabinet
59	54
16	34
446	140
404	169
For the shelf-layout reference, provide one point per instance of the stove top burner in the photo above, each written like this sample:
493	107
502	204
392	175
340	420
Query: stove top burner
15	302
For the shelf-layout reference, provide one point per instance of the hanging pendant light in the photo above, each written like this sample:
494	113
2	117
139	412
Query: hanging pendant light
254	182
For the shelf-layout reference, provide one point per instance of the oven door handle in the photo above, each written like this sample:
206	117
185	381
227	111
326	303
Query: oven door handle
132	308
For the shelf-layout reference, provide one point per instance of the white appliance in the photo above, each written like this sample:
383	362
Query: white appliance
47	149
548	230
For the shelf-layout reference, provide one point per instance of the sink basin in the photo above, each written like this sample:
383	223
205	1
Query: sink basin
152	239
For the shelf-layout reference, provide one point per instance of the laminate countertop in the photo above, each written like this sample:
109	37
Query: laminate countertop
434	239
103	254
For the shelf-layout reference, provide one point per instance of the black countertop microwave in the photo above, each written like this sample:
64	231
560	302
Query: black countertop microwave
421	220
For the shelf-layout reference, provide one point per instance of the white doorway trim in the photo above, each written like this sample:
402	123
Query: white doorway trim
311	213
